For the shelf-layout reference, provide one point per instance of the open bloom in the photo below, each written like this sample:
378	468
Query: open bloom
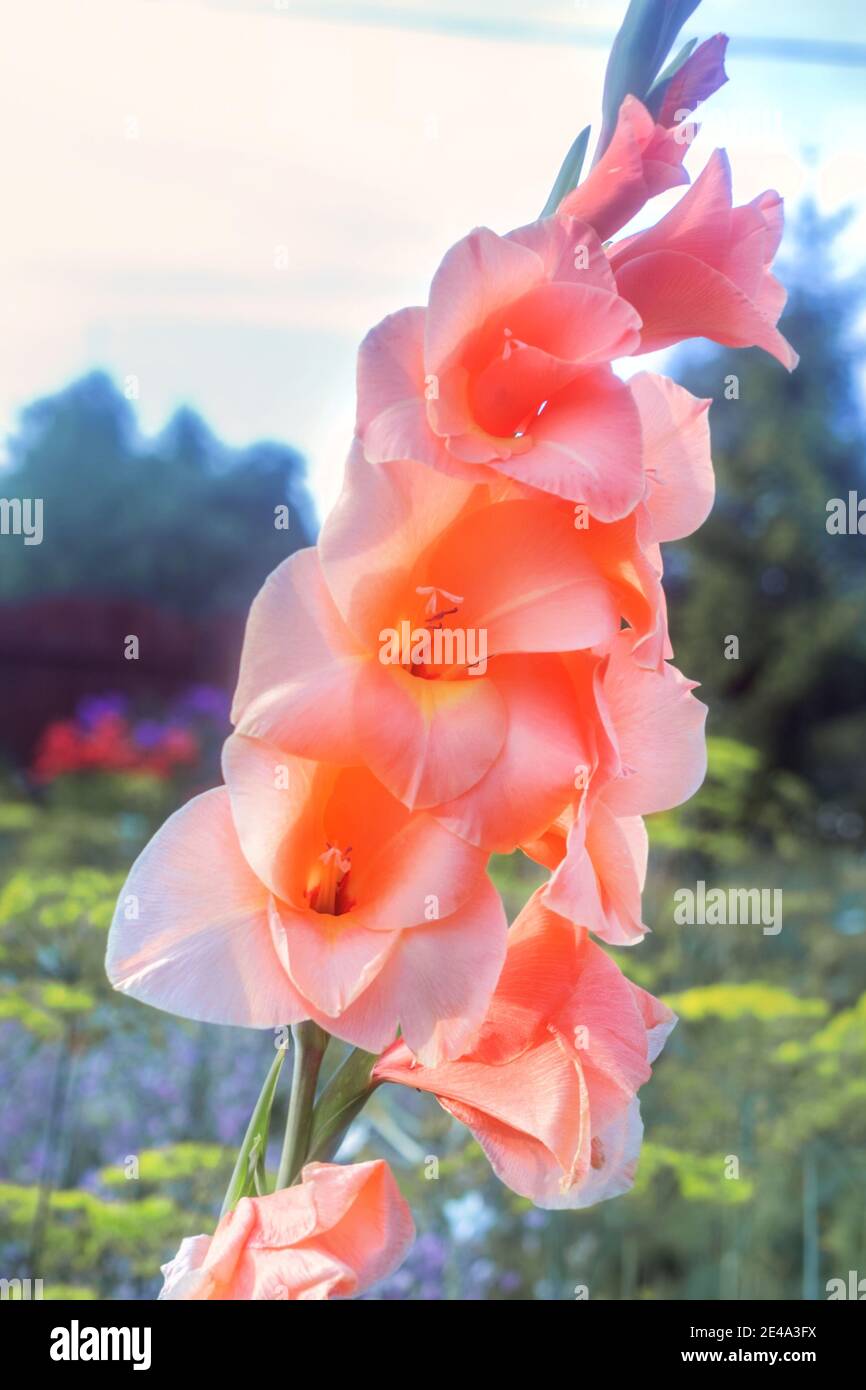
549	1087
508	371
596	848
645	155
703	271
333	1235
677	497
423	638
304	890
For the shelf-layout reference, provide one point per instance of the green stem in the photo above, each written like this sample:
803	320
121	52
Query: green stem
310	1042
343	1098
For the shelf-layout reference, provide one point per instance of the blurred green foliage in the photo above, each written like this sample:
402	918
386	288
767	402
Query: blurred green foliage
764	567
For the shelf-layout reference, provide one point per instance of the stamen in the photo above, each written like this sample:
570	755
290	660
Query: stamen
436	595
510	343
326	883
436	620
333	854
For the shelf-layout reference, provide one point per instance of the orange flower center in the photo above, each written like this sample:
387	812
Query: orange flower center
327	885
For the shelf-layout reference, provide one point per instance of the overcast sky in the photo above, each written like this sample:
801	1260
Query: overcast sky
221	198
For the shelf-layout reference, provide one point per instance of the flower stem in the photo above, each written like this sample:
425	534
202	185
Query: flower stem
310	1042
343	1098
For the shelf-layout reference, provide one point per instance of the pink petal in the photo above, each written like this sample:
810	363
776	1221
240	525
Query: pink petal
200	946
478	276
330	960
569	250
535	772
573	322
536	981
364	1221
547	1085
391	365
660	731
299	667
629	172
630	561
698	225
276	806
436	985
676	438
427	740
334	1234
448	972
680	297
586	447
423	858
526	576
620	1144
386	516
545	1141
598	883
602	1025
180	1274
658	1019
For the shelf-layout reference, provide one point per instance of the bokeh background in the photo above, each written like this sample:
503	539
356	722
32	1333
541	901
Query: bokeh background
207	206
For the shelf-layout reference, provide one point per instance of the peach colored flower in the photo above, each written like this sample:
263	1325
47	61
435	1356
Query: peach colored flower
490	751
303	890
642	160
703	271
678	495
645	155
507	370
598	864
333	1235
549	1087
679	469
596	848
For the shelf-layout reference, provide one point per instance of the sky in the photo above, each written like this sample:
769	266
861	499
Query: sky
214	200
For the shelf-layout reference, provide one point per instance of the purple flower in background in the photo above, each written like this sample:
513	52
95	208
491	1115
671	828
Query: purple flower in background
421	1275
148	733
205	701
92	709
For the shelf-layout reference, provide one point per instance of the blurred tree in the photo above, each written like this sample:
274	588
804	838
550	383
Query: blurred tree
181	520
764	567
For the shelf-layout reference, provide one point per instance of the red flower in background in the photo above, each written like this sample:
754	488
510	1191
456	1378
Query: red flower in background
104	736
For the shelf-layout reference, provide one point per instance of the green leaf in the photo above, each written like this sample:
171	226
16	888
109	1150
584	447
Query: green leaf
569	175
343	1098
243	1179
